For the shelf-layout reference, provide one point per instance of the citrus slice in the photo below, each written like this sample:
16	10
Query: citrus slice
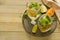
50	12
34	29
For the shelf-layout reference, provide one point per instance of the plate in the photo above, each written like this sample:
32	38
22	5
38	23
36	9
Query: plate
28	26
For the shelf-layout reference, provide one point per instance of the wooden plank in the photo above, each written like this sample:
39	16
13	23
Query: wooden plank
16	2
12	26
12	9
39	1
13	36
11	13
12	17
25	36
12	2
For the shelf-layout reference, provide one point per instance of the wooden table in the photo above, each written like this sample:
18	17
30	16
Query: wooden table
11	27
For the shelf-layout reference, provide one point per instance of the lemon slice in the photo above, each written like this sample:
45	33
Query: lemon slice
34	29
43	8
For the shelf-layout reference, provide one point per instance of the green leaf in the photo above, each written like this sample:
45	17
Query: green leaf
25	15
34	4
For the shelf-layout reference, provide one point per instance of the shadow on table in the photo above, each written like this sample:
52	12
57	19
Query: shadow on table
30	37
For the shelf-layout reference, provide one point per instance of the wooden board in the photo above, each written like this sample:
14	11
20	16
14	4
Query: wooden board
11	27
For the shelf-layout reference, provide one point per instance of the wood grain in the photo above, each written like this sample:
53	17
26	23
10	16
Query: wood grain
24	36
11	27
